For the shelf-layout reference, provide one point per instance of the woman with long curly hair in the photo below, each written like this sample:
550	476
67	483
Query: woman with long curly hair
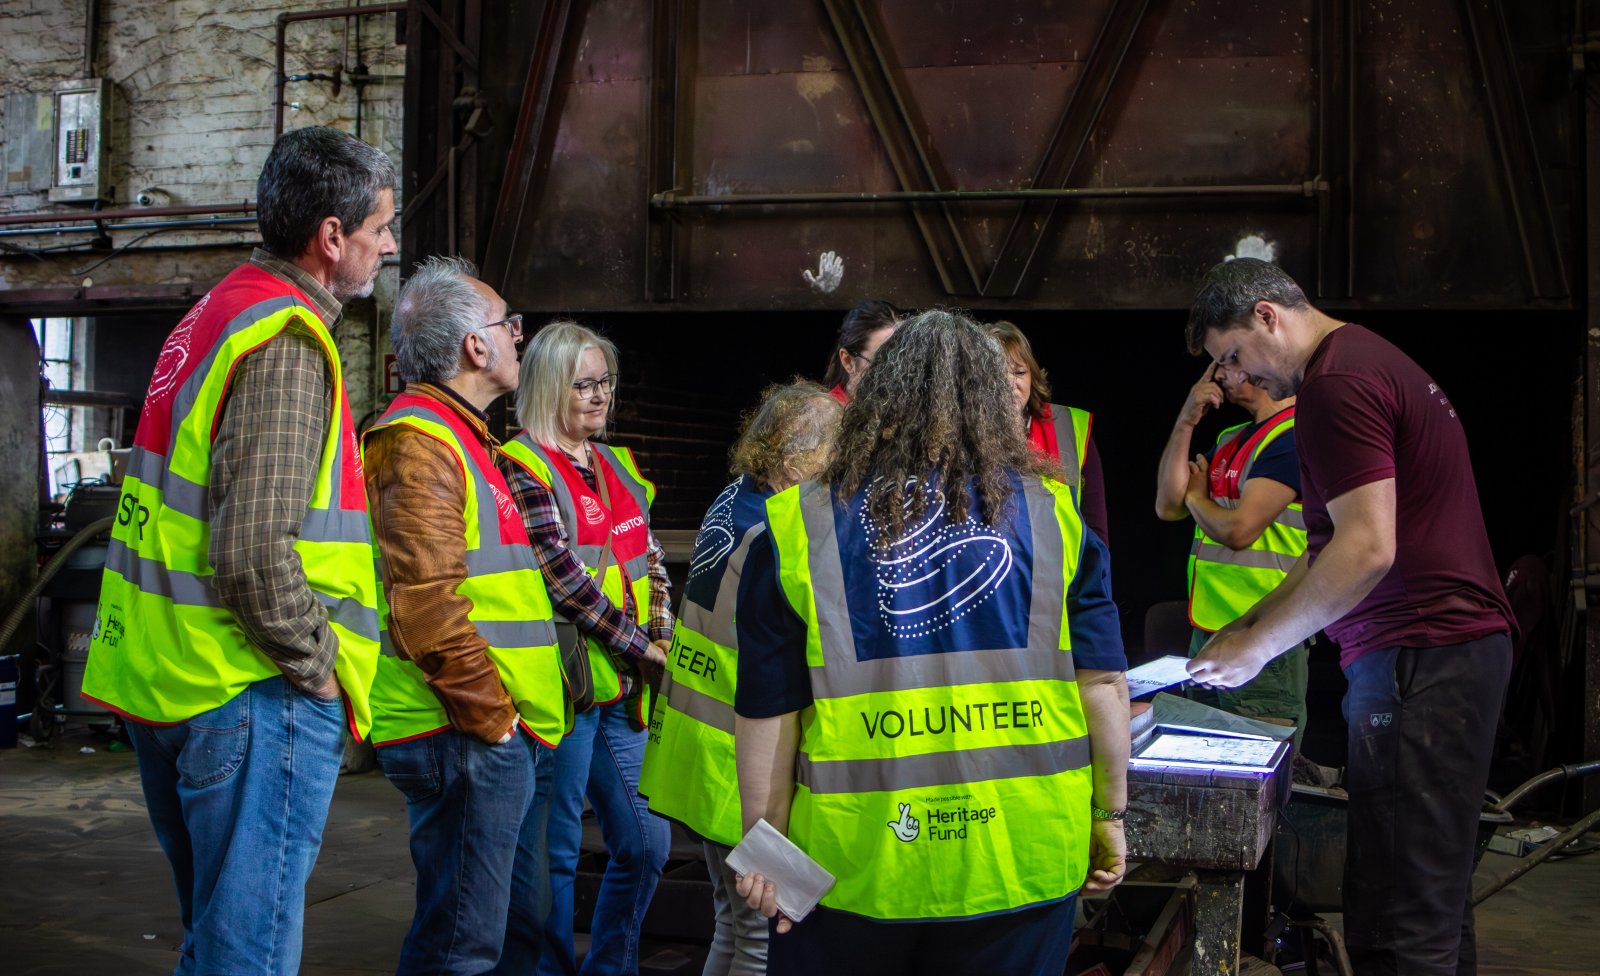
931	699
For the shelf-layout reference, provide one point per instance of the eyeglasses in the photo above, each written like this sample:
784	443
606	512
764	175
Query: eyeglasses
863	357
584	389
513	324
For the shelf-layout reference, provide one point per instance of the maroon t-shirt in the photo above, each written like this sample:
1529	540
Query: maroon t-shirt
1367	412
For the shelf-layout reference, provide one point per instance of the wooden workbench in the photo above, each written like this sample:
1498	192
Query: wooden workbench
1218	824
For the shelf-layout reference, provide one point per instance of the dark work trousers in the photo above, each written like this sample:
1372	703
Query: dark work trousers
1028	942
1422	724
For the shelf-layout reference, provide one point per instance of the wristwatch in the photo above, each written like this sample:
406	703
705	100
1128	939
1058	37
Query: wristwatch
1101	814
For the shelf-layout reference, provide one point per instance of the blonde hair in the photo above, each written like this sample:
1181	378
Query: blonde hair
549	368
789	436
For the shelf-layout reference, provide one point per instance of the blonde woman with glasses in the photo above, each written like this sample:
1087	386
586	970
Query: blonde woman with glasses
587	512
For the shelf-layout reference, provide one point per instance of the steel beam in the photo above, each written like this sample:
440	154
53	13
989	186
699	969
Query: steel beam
1587	535
674	201
1336	147
1027	231
1509	129
667	69
905	143
516	189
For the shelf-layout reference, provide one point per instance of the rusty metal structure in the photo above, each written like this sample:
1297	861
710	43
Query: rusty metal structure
697	154
675	165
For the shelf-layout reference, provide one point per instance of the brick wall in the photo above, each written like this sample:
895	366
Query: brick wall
195	79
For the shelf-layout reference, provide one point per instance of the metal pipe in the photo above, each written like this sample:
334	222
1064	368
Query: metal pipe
212	224
1537	857
126	214
91	35
673	201
1556	775
284	20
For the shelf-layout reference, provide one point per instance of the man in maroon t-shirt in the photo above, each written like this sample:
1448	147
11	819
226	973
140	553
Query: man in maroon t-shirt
1399	572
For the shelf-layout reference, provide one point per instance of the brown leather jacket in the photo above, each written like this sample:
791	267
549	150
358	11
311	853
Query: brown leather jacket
417	498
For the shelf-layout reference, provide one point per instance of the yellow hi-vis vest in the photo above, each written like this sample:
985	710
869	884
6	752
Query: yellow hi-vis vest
1000	803
510	608
164	648
689	773
1223	582
1072	426
602	668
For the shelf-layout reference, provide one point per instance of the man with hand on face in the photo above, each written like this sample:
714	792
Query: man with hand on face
1399	572
468	702
1244	497
238	620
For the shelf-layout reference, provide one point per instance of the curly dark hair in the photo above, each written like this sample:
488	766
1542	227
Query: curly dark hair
789	436
933	413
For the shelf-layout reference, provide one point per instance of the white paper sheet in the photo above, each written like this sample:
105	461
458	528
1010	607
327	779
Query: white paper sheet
1163	672
801	882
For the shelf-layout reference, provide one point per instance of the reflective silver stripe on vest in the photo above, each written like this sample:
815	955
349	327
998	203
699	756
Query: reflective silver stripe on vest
843	675
189	590
699	706
1066	444
516	633
350	614
941	768
827	580
184	400
1292	518
497	558
641	498
568	509
718	623
334	524
1212	552
150	576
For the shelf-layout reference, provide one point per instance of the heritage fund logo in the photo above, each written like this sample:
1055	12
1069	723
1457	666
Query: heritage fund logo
943	824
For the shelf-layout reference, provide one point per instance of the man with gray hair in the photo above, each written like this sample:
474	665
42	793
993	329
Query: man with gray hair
238	622
468	701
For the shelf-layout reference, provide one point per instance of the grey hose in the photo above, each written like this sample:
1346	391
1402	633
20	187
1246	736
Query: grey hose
19	613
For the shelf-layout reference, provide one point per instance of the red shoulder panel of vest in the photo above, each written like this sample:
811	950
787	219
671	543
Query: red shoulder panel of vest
191	341
512	528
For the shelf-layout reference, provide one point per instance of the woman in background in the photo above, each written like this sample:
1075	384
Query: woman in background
1064	434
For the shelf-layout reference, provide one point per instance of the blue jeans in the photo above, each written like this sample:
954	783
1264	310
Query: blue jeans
601	757
478	819
238	797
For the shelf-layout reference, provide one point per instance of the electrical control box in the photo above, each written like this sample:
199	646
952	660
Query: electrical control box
83	111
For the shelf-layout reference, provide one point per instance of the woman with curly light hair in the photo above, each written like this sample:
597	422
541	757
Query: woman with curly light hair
689	763
931	699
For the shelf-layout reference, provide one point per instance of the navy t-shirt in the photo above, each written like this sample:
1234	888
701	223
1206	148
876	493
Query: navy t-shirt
889	616
1278	460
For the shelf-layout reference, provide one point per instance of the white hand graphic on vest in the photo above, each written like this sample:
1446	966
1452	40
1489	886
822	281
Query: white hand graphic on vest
937	572
907	827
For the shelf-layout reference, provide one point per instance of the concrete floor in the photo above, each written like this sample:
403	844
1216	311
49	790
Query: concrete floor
86	890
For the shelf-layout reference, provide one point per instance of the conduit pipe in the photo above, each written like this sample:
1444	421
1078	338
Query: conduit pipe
284	20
